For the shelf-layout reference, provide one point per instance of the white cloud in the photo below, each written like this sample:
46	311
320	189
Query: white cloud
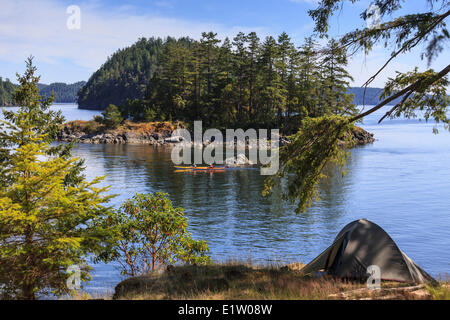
39	28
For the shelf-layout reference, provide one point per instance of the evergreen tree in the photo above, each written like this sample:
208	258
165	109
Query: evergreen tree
112	117
285	52
310	83
273	94
48	211
240	72
336	81
253	54
224	95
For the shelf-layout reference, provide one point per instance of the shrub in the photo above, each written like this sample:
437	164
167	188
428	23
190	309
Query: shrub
112	117
98	119
151	233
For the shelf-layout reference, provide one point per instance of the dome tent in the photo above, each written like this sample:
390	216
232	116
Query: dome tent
360	244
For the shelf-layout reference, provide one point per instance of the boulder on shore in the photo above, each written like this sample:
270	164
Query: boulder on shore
239	160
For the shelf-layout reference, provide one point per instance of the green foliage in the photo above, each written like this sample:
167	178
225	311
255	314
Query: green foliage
430	100
112	117
402	33
92	126
47	210
320	142
336	81
317	144
97	118
150	233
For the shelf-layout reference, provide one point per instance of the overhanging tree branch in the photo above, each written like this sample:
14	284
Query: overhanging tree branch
411	43
408	90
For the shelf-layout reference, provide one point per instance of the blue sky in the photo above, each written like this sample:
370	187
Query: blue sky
63	55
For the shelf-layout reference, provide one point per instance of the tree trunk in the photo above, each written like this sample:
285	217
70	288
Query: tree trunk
27	292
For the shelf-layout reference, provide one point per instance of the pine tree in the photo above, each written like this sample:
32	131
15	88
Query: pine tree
336	81
224	93
309	82
240	73
286	51
253	54
48	211
112	117
273	94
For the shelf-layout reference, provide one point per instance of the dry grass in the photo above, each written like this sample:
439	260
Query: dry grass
440	292
92	126
84	126
149	127
244	281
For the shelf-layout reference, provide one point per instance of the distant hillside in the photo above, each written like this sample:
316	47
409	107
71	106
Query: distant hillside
6	90
64	93
372	96
126	74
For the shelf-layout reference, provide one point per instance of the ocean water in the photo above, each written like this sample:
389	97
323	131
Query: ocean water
401	182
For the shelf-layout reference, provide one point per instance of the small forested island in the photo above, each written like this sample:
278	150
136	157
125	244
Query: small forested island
239	83
242	72
157	133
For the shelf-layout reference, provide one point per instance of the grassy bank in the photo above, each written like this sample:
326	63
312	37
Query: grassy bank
93	126
243	281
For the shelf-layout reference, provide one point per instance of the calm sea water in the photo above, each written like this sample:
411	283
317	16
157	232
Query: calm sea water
401	182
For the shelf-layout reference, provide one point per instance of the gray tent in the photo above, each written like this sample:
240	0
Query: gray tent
360	244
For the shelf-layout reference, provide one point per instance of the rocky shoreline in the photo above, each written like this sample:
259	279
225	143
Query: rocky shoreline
362	137
129	137
155	136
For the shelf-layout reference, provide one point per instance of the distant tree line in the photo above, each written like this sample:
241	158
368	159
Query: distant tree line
369	96
64	93
6	92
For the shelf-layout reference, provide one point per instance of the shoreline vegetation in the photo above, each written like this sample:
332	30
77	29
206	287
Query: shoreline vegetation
155	133
239	280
